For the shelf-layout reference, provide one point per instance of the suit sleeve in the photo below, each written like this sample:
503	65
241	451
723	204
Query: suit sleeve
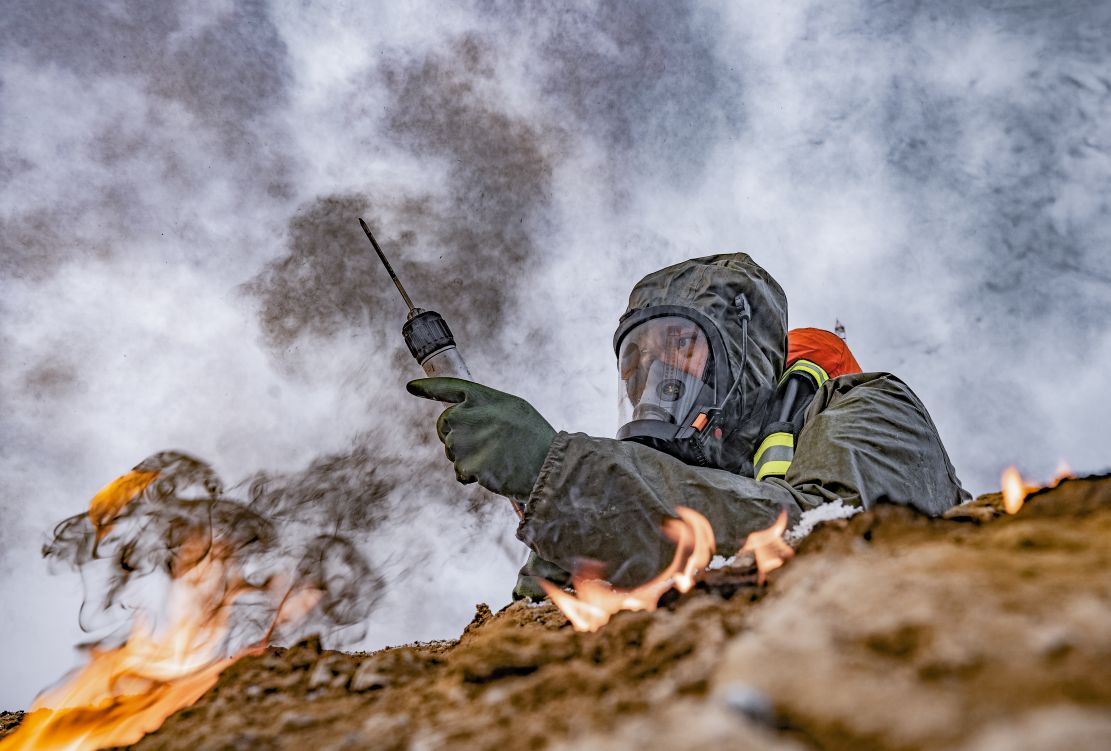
605	500
867	439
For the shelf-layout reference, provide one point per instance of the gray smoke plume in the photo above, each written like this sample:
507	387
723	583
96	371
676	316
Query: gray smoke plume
181	265
176	524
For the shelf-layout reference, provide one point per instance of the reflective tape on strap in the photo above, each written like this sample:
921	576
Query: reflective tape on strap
774	456
774	439
773	469
810	369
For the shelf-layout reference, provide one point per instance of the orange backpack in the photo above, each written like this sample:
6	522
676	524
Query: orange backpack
822	348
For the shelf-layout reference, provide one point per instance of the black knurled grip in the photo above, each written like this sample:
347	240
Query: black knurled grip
426	333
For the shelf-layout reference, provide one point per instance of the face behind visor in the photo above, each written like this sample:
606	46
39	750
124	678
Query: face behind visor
672	367
663	370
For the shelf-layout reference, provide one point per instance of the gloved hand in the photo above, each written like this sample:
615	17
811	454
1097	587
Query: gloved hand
495	439
536	567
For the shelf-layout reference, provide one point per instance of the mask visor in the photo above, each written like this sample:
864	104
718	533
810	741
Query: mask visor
664	366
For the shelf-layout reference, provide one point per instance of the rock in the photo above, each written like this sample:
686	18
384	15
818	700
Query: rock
356	741
331	671
303	655
298	721
380	726
282	682
748	701
367	678
9	721
251	742
482	615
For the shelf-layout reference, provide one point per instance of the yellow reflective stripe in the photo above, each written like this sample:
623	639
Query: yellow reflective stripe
775	439
779	469
812	369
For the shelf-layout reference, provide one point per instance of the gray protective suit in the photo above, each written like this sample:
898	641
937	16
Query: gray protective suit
866	439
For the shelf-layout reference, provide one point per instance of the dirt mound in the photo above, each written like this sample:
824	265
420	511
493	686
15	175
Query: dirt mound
513	680
889	630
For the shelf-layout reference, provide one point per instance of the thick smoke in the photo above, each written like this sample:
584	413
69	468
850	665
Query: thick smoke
646	83
457	244
170	521
181	265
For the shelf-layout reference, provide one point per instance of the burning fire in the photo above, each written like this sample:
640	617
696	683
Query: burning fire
768	547
595	600
121	694
110	501
1015	488
1063	472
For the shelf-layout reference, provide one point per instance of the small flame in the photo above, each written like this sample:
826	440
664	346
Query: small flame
768	547
113	497
595	600
1062	473
1015	490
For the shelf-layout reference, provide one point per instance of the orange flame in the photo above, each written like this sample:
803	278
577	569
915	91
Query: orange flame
1015	490
1062	473
122	694
768	547
111	499
595	600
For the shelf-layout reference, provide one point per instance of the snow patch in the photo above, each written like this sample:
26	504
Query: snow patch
796	534
815	516
720	561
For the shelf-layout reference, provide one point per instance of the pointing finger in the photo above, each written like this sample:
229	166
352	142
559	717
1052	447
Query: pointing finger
451	390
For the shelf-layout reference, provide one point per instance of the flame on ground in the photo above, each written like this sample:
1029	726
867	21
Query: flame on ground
595	600
1062	473
768	547
1015	488
122	694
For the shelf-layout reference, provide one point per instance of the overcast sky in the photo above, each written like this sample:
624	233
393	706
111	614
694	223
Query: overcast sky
181	266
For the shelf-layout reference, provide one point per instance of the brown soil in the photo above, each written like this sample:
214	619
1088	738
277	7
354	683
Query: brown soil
9	721
890	631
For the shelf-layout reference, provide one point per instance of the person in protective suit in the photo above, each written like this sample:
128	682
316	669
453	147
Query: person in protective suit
714	417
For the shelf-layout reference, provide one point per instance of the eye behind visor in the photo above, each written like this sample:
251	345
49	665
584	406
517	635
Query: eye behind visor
672	353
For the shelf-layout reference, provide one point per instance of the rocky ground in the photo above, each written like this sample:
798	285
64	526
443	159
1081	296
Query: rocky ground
889	630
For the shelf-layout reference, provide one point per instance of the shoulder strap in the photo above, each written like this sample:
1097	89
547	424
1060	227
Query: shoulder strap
796	389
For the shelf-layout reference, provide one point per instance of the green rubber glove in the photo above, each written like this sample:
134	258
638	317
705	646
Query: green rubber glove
495	439
536	567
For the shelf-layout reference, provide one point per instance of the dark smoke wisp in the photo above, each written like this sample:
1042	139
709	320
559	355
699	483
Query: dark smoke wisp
171	516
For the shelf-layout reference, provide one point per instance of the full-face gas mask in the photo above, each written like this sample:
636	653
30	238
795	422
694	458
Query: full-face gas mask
675	379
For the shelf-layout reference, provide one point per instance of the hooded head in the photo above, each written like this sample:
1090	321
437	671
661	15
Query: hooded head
699	350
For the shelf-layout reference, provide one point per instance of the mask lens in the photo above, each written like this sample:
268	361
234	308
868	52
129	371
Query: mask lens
631	371
664	364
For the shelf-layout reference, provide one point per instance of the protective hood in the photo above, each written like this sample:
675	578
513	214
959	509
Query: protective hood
708	290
